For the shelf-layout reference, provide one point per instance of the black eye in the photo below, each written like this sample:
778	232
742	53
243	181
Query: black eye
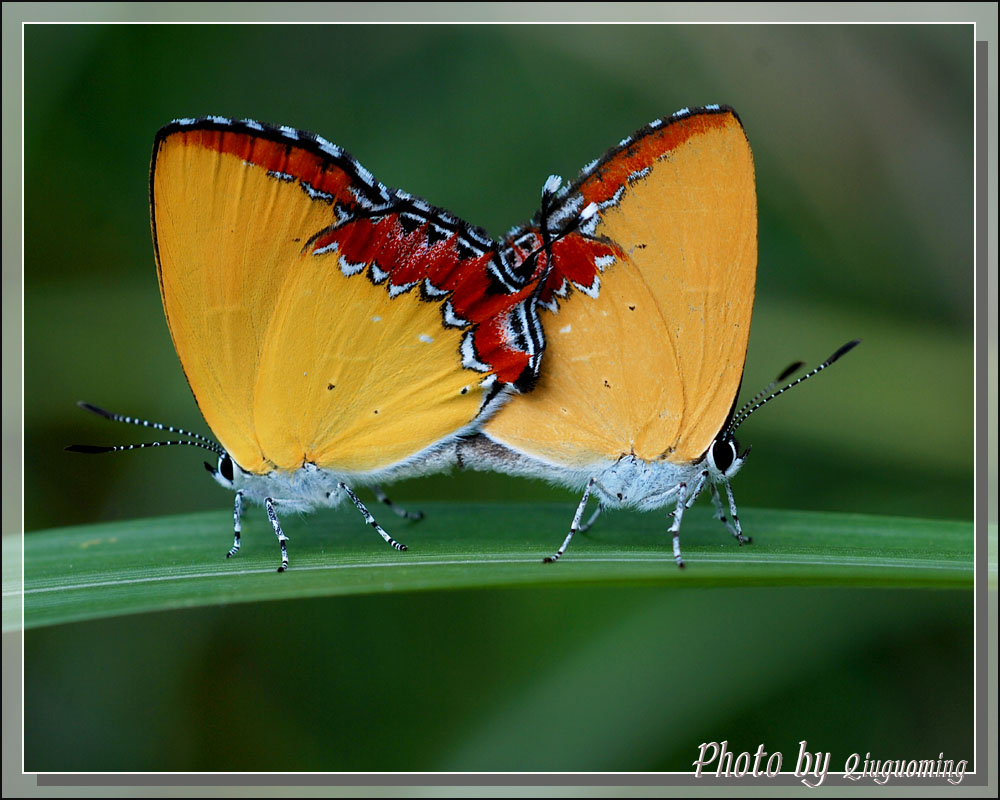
226	468
723	454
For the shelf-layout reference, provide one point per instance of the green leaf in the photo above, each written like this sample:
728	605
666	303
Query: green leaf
93	571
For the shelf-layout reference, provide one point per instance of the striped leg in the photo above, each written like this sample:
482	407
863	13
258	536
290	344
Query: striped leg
269	505
675	526
237	526
699	485
736	519
575	526
397	510
720	514
593	518
692	495
369	518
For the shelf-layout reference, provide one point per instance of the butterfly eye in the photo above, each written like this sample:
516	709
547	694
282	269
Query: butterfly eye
723	454
226	468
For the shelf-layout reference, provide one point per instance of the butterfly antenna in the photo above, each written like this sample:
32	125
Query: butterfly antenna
201	441
748	409
786	373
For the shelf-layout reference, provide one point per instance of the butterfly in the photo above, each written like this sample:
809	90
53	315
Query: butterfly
335	332
646	307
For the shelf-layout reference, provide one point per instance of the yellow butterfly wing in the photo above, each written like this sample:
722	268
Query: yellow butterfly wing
353	379
646	355
320	317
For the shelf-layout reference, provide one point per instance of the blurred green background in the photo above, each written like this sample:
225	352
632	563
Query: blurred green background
862	138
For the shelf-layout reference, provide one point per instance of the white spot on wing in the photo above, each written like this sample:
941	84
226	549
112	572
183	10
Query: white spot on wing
348	268
593	290
565	329
329	248
364	174
451	318
376	319
638	174
291	133
329	147
615	199
433	291
315	193
469	357
425	338
395	290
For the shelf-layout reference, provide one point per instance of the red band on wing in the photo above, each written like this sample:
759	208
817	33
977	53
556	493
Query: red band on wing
374	234
318	172
613	173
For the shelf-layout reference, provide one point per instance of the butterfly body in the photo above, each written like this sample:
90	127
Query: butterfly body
627	482
311	487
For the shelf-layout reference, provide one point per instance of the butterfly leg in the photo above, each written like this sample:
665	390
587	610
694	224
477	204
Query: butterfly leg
397	510
237	525
720	513
736	519
575	526
696	491
269	505
692	495
675	526
369	518
593	518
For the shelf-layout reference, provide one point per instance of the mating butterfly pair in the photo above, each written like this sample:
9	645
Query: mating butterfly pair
337	333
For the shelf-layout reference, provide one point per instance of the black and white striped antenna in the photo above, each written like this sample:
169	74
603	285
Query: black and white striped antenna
199	441
784	375
756	402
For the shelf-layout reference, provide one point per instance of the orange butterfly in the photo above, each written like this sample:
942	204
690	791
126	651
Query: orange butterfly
648	304
333	331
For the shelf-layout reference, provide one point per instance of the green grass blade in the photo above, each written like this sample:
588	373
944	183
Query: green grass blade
93	571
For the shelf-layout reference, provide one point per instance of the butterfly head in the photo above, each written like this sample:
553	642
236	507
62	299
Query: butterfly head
723	458
227	473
